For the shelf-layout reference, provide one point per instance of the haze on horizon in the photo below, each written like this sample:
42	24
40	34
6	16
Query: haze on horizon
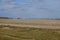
30	8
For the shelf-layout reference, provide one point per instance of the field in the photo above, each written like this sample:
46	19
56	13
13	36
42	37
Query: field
26	33
29	29
36	23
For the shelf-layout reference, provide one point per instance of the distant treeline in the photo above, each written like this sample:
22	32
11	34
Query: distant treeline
57	19
8	18
31	18
4	18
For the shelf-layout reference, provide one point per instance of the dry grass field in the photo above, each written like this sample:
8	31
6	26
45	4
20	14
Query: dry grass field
26	33
29	29
31	21
38	23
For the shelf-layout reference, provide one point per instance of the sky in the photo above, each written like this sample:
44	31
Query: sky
30	8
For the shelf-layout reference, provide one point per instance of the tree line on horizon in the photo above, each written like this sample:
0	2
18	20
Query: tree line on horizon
30	18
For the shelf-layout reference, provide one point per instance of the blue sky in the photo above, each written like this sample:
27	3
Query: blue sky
30	8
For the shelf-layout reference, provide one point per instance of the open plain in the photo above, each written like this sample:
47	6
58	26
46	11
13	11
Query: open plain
36	23
29	29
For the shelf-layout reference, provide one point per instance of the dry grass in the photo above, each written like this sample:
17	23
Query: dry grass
31	22
26	33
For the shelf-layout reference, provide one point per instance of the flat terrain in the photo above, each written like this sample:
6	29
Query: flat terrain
36	23
26	33
29	29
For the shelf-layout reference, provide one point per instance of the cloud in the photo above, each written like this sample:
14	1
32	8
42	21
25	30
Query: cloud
31	8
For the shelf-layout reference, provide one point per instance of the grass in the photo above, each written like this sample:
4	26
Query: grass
26	33
31	22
